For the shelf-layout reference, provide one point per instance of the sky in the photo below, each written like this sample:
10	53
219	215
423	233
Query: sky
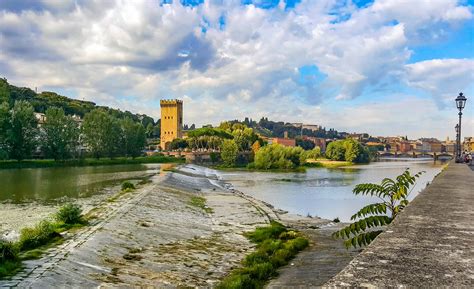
385	67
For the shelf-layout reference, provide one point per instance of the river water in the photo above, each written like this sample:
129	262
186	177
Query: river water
327	193
50	184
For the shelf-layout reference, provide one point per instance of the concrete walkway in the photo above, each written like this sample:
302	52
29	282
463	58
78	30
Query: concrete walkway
430	244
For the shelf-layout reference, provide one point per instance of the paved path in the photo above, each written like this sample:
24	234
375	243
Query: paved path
313	267
430	244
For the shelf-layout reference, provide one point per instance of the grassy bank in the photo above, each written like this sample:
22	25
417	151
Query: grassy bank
11	164
276	246
35	240
325	163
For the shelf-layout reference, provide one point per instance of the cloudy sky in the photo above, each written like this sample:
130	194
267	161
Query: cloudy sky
386	67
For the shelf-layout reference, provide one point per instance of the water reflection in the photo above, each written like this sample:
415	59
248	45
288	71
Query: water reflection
326	192
47	184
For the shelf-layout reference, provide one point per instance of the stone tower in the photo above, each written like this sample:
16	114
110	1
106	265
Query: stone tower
171	121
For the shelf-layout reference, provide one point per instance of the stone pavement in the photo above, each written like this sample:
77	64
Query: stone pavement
430	244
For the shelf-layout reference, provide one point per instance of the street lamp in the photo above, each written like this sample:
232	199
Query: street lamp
456	127
460	104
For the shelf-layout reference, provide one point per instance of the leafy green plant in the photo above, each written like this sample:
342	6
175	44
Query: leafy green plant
370	220
127	185
8	251
39	235
69	214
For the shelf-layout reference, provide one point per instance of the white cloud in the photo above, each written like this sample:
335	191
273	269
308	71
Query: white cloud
142	51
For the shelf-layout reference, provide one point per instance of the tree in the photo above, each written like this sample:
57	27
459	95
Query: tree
229	152
256	146
4	128
178	143
149	130
133	136
276	156
22	131
60	134
101	133
370	220
4	91
306	144
335	151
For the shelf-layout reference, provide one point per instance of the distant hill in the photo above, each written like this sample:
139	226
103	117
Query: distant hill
41	102
270	128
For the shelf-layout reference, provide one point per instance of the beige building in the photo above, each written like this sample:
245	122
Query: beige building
171	121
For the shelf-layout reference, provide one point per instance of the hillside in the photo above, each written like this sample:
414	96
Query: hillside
41	101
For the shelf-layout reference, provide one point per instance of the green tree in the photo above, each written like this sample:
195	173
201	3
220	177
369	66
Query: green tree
134	137
229	152
4	91
369	221
22	131
276	156
60	134
149	130
102	133
178	143
4	129
336	151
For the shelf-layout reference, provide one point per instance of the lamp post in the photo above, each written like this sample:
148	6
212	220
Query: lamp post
460	104
456	127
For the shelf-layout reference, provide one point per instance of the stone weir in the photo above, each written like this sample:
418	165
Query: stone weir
430	244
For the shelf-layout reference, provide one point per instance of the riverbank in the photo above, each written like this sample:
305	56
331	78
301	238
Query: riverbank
325	163
158	236
12	164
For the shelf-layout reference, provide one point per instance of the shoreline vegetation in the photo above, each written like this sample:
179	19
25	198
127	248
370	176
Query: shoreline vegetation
310	163
34	241
276	245
48	163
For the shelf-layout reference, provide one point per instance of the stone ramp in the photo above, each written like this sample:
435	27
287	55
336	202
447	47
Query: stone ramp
430	244
317	264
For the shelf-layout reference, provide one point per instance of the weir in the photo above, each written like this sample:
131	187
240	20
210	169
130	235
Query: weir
429	244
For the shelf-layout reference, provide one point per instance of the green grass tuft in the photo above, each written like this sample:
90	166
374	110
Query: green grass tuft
200	202
276	246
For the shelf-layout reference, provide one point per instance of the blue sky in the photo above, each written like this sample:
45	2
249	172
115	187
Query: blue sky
386	67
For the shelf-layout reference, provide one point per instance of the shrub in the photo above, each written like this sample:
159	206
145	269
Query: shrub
275	247
69	214
39	235
127	185
269	232
276	156
8	251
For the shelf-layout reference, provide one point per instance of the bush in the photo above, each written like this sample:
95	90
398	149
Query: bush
8	251
275	247
269	232
39	235
69	214
276	156
229	152
347	150
127	185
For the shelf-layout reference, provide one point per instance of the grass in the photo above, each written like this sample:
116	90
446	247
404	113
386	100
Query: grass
12	164
276	246
200	202
325	163
34	241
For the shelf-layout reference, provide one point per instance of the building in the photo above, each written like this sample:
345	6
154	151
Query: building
319	142
171	121
289	142
468	144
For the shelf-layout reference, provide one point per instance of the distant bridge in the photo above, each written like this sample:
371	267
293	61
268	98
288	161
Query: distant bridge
434	155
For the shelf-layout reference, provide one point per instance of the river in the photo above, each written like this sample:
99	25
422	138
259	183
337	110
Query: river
47	185
326	193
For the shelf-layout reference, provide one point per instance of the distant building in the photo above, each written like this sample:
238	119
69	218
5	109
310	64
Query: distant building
289	142
171	121
319	142
468	144
40	117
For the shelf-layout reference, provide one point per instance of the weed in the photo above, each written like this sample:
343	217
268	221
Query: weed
200	202
275	247
336	220
40	234
127	185
69	214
